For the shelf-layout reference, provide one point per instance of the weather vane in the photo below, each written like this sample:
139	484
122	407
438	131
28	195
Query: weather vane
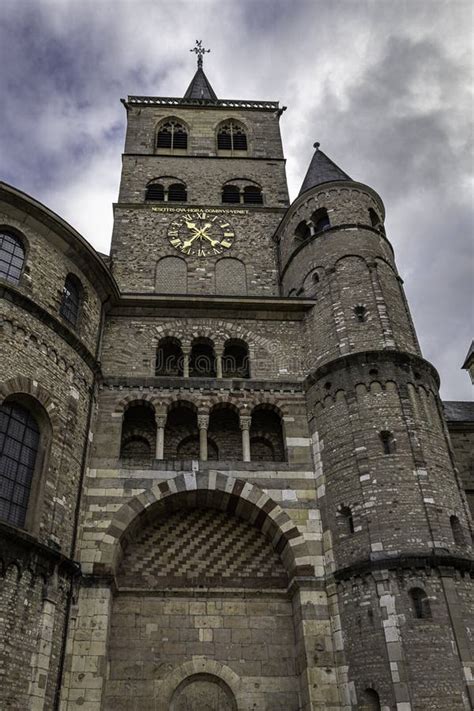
199	49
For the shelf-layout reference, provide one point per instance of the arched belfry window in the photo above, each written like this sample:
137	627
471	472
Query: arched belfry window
231	136
320	220
155	191
19	445
71	299
177	193
166	189
230	194
240	190
172	135
302	231
12	257
253	195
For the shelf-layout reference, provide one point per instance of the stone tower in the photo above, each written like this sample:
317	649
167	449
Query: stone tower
243	495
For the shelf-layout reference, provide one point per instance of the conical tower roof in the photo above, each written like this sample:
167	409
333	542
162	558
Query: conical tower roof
322	170
200	87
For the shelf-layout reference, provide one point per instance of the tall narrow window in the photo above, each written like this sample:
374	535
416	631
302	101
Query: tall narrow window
71	299
457	531
388	442
231	136
347	519
374	218
12	256
19	443
172	135
420	604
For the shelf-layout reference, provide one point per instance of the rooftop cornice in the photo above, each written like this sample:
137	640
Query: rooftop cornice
203	103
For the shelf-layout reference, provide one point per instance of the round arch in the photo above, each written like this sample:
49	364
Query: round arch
194	669
223	492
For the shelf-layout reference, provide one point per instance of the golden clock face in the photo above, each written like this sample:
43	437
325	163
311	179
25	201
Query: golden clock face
200	234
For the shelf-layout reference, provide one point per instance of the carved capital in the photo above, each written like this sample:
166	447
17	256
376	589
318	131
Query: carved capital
203	421
245	421
161	420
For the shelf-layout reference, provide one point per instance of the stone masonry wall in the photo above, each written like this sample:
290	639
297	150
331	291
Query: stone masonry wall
45	271
262	128
400	501
140	240
462	440
275	348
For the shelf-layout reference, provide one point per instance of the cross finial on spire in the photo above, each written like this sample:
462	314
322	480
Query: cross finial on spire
199	49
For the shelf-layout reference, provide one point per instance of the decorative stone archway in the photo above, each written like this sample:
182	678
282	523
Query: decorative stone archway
244	499
177	668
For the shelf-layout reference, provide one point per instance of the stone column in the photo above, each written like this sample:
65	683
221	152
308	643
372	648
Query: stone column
203	424
160	435
219	353
245	427
186	357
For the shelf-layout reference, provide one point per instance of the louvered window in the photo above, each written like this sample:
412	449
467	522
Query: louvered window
231	137
155	191
253	195
177	193
230	193
172	135
71	299
12	257
19	442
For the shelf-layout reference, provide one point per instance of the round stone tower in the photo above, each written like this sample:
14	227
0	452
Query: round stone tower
397	538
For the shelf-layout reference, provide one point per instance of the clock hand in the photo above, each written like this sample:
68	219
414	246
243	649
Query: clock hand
210	239
187	243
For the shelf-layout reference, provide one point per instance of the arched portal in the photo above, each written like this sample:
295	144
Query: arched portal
201	575
205	692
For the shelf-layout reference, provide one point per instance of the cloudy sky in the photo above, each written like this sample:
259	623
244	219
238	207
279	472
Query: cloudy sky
384	85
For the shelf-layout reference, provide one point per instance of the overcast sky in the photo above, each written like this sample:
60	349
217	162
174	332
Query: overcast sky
385	86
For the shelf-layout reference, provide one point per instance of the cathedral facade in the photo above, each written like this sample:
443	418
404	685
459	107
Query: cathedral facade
227	482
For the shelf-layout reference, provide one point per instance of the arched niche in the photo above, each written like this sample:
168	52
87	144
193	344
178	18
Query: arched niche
204	692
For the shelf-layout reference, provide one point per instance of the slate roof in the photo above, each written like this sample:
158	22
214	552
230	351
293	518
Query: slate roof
200	87
322	170
459	410
469	357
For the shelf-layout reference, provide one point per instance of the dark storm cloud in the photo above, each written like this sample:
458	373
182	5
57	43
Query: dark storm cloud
381	83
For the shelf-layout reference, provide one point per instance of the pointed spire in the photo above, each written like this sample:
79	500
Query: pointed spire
200	87
321	170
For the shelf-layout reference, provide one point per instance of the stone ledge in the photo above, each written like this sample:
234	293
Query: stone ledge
362	358
20	539
449	563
